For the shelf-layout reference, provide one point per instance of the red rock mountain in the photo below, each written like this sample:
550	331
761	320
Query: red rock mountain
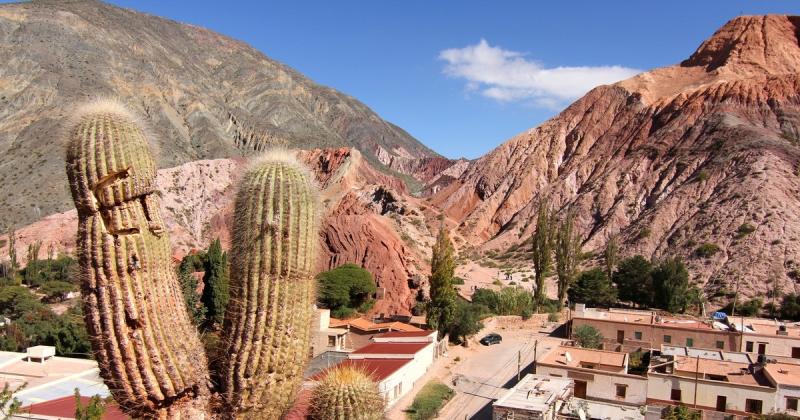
700	152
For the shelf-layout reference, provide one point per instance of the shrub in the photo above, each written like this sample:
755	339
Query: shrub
703	176
644	233
706	250
744	230
588	337
430	399
553	317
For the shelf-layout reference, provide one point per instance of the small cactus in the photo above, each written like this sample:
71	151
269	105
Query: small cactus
149	354
268	321
346	393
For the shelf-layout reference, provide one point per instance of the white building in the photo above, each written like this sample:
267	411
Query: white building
535	397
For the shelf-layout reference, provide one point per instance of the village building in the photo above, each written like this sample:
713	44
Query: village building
535	397
598	374
360	331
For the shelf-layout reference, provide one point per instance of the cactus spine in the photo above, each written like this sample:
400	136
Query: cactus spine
268	322
149	354
346	393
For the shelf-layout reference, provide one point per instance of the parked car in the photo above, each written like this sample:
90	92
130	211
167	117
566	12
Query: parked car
491	339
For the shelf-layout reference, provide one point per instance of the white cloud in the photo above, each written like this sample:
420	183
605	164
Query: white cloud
507	76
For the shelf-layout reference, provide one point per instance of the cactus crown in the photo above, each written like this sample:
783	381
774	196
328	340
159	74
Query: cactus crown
346	392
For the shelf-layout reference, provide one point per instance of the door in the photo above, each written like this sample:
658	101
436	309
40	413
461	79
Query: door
762	348
722	402
796	352
620	336
580	389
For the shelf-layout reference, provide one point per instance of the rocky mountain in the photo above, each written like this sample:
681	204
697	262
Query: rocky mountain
203	95
703	152
365	212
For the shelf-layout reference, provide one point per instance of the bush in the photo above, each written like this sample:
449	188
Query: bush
744	230
790	307
588	337
749	308
345	289
706	250
430	399
55	291
553	317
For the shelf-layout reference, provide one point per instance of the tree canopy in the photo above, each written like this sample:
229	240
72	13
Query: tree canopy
346	289
634	281
593	288
671	285
442	305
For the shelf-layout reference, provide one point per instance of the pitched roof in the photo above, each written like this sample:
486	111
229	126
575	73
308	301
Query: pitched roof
65	408
367	325
377	369
391	348
404	334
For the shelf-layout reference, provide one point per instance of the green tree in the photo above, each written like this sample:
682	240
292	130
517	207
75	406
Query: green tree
94	410
12	252
346	289
588	337
634	281
790	307
33	259
568	254
442	306
611	255
188	282
216	288
486	297
55	291
467	321
542	241
593	288
671	285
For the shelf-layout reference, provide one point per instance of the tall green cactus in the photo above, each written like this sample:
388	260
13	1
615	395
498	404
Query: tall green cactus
149	354
268	322
346	393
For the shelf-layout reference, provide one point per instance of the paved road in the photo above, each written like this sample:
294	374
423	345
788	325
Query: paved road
486	374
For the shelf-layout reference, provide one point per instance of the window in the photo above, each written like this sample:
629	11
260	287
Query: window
791	404
721	345
622	390
690	342
748	346
637	335
796	352
675	395
753	406
667	338
331	341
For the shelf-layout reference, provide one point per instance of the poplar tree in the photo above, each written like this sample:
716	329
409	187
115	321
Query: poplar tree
568	255
442	306
542	242
611	255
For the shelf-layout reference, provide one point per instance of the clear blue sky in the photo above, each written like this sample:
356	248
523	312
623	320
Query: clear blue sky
388	54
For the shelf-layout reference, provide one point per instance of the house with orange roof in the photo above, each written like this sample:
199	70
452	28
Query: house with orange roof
597	374
361	330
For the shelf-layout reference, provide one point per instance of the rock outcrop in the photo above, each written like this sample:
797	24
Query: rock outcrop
706	151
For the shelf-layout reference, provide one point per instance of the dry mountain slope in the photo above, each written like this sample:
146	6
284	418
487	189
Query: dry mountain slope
694	153
364	212
204	95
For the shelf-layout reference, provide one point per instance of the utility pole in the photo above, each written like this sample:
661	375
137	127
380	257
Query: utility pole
519	362
696	374
535	350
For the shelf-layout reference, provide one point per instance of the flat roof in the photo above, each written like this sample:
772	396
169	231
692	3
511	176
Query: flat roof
378	369
784	373
732	372
391	348
536	393
367	325
603	410
577	355
705	354
35	373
